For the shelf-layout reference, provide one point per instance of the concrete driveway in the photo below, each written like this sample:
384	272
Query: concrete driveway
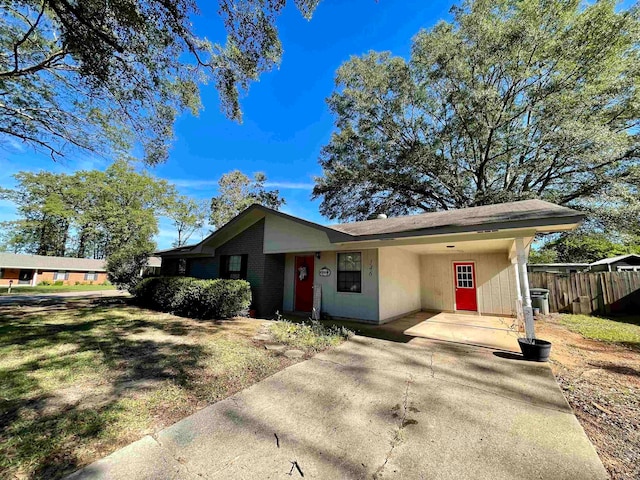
376	409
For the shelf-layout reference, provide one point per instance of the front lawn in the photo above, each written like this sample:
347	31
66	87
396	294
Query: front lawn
82	379
622	330
26	290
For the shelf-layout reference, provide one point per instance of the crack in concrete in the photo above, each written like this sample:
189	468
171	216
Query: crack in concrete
177	459
397	437
433	373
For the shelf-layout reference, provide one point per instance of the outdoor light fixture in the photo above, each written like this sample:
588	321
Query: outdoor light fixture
318	255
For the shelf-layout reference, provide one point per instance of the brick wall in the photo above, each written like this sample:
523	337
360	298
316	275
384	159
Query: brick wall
265	273
13	273
73	277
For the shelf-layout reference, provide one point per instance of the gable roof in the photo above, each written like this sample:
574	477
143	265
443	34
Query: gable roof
15	260
525	213
521	214
606	261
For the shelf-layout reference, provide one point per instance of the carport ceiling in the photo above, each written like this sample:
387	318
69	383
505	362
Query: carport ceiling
477	246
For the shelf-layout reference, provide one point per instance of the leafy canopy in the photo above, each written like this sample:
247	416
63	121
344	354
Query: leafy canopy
236	192
88	214
102	76
581	247
512	100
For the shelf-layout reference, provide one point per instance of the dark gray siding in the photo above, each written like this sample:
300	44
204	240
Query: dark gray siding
265	273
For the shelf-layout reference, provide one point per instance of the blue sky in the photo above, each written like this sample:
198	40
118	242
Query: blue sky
286	120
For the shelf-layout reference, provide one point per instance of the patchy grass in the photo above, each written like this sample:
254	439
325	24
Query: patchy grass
597	365
308	335
81	379
622	330
22	290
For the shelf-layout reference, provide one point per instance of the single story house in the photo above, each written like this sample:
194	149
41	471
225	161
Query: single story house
562	268
375	271
620	263
33	269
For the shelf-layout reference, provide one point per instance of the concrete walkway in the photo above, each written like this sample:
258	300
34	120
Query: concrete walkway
376	409
36	298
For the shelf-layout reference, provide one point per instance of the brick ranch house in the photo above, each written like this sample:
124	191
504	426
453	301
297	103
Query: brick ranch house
375	271
30	270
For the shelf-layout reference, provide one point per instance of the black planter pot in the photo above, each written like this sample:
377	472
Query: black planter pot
535	349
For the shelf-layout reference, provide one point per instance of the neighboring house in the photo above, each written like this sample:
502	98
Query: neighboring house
378	270
563	268
152	268
621	263
33	269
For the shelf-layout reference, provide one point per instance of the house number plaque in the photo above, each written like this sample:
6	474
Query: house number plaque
324	272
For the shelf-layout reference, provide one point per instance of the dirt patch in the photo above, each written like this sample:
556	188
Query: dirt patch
601	381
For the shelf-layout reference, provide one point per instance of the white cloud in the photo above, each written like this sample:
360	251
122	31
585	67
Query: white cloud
290	185
207	184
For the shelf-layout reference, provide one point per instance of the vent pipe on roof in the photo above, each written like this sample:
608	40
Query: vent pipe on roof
377	216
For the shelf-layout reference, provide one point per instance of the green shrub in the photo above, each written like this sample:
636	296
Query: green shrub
194	298
45	283
78	283
58	283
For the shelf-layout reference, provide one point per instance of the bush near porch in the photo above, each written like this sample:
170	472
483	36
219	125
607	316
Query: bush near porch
194	298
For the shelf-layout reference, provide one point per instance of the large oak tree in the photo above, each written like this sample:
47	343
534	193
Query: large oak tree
106	75
511	100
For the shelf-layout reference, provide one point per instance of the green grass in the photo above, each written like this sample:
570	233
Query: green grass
308	335
622	330
80	380
25	290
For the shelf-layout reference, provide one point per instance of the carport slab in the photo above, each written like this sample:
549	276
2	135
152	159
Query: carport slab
479	330
376	409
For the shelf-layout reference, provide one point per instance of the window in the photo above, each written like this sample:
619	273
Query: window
61	275
350	272
182	266
1	272
465	276
91	276
233	267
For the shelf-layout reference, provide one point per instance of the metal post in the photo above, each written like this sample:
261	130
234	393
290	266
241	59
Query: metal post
524	288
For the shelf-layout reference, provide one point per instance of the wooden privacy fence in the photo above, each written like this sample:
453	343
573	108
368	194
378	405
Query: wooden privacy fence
601	292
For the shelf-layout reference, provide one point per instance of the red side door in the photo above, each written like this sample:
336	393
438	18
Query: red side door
304	283
465	283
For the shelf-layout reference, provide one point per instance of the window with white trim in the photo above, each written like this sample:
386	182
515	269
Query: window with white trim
61	275
350	272
465	276
91	276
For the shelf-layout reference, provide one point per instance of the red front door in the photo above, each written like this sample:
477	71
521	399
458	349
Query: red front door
304	283
465	283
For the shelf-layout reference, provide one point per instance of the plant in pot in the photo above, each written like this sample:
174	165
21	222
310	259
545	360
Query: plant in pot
533	348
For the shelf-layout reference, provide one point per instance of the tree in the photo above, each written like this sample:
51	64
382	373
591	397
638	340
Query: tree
43	228
583	247
236	192
512	100
87	214
187	216
543	255
100	76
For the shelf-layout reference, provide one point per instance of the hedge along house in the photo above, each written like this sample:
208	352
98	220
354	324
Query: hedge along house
29	270
375	271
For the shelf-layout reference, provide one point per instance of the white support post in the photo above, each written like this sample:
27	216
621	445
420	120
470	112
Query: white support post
34	279
524	288
519	312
